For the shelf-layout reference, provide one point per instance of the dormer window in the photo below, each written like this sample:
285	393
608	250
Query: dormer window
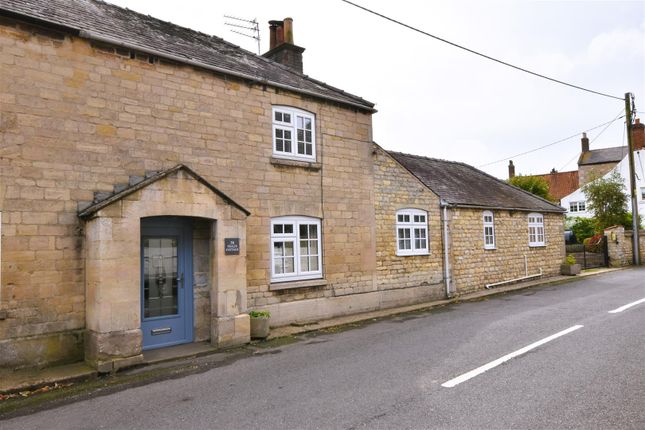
294	134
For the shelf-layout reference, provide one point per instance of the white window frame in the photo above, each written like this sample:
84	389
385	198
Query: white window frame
642	193
291	126
488	220
416	229
578	206
294	237
536	229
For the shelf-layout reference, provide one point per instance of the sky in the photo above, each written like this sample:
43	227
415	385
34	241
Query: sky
439	101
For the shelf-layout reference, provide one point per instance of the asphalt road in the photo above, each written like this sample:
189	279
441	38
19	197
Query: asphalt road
389	374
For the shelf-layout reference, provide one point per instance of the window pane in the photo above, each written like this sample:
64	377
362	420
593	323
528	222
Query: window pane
301	148
304	264
277	266
286	117
304	247
308	124
301	135
289	265
313	247
308	149
278	116
303	231
278	249
288	229
288	248
308	136
313	263
416	218
420	233
278	229
313	231
399	218
299	122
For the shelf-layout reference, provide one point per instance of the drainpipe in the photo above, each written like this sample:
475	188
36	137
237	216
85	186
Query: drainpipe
446	238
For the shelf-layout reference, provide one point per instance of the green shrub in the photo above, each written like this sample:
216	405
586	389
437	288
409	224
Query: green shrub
570	260
259	314
582	228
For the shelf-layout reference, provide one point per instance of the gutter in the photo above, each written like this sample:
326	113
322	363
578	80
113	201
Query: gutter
446	247
88	34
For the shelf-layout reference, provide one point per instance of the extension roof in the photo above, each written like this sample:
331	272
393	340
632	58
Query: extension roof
94	19
462	185
561	183
601	156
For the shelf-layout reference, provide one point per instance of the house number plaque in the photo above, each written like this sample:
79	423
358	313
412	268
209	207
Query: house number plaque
232	246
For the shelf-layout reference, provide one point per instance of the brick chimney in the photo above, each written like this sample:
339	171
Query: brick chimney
511	169
638	135
585	142
281	47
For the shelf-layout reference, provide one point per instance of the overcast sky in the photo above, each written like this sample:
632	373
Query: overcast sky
439	101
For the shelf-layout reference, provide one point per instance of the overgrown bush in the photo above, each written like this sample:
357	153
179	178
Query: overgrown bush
582	228
593	243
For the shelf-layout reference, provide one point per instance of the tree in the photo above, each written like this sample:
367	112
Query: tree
606	198
533	184
582	228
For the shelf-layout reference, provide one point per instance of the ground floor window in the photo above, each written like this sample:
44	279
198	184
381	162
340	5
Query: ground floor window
536	230
489	230
411	232
295	248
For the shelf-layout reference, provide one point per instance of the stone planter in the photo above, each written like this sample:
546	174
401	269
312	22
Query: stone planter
260	327
570	269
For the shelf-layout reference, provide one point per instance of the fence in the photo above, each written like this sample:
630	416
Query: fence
590	256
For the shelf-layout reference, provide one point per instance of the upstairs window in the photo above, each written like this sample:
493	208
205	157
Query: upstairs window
489	230
294	134
295	249
577	206
411	232
536	230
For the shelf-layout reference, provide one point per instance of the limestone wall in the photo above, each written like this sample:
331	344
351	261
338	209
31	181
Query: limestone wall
78	118
620	246
396	189
473	266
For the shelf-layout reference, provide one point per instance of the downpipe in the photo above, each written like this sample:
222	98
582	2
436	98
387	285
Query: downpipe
446	257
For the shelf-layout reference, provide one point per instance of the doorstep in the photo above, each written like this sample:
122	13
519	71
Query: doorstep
29	379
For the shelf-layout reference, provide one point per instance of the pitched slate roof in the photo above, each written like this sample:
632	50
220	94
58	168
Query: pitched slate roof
462	185
604	155
561	183
94	19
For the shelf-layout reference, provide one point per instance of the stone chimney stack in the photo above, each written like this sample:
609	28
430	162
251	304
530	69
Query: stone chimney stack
281	46
638	135
585	142
511	170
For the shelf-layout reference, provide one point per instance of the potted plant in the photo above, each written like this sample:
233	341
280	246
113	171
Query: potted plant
259	324
569	266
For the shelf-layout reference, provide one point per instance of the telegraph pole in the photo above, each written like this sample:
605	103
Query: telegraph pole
629	113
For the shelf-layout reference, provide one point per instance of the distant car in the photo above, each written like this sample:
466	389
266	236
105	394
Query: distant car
570	237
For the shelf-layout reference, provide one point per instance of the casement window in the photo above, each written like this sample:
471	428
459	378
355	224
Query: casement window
643	193
294	134
536	230
489	230
411	232
295	249
577	206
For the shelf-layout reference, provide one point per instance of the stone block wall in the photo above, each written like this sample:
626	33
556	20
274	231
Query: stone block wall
473	266
590	172
79	117
620	246
396	189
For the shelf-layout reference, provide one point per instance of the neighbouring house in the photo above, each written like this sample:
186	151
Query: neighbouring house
576	202
495	232
560	183
156	183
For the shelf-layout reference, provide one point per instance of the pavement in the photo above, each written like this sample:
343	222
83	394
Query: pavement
35	379
564	356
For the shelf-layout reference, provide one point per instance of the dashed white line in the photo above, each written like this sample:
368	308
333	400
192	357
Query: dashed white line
466	376
627	306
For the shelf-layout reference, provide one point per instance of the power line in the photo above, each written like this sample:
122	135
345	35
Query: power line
597	136
608	123
480	54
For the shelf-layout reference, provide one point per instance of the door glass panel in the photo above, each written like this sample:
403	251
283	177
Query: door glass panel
160	295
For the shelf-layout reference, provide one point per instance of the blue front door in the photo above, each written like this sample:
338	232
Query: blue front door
166	281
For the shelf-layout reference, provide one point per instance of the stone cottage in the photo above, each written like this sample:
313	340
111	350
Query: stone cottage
494	233
157	182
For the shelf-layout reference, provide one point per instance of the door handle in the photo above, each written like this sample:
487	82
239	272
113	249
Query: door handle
180	281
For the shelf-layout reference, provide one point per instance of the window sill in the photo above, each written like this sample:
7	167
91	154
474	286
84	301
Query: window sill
542	245
413	255
494	248
287	285
307	165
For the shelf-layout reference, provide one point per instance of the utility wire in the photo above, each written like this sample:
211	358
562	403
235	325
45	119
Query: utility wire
479	53
597	136
608	123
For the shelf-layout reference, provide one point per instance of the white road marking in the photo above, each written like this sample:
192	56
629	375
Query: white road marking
627	306
466	376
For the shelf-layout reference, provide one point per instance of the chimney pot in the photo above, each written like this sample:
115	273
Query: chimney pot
585	142
288	30
511	169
